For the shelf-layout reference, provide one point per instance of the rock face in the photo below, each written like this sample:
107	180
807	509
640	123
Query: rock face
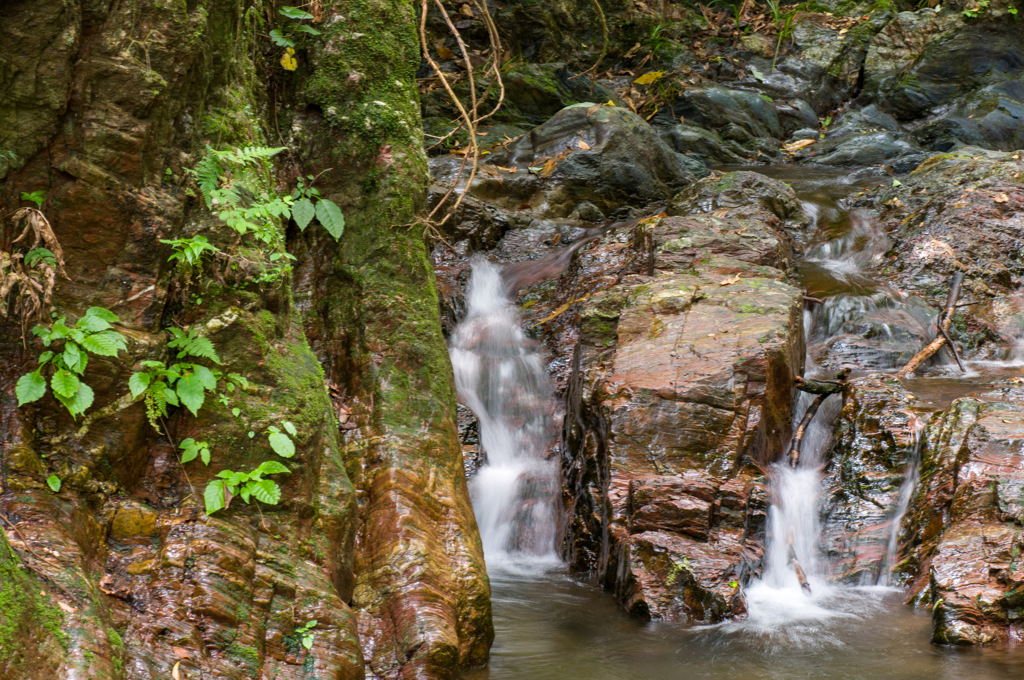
965	529
680	375
123	574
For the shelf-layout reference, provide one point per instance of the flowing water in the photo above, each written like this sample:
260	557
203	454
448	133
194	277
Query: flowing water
549	625
500	376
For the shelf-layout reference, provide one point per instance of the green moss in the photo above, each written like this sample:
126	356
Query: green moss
30	627
246	655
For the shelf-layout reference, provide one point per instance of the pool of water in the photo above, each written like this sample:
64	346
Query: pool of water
550	626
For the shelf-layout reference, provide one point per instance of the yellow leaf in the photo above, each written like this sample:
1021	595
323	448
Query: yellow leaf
583	145
288	60
648	78
549	167
1001	198
444	52
175	673
561	309
797	145
729	281
609	103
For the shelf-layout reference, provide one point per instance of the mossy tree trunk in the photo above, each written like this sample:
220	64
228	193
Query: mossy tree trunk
103	105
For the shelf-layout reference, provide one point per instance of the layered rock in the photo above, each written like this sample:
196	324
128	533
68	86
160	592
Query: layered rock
681	375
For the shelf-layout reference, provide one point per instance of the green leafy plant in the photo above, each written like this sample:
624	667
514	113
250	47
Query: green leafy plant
245	485
37	255
979	7
191	449
305	633
281	442
91	334
37	197
53	481
285	37
180	383
308	205
190	251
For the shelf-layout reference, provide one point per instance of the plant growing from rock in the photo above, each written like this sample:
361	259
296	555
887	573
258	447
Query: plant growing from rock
66	363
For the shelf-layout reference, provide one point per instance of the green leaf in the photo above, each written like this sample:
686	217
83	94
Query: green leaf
103	313
236	411
329	215
266	491
204	454
303	212
37	255
206	377
306	28
290	429
190	390
138	383
64	383
92	324
44	357
272	467
104	344
78	403
307	641
294	13
279	39
282	444
171	397
74	358
216	496
53	481
30	387
189	450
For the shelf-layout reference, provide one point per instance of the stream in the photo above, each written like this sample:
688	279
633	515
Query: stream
550	624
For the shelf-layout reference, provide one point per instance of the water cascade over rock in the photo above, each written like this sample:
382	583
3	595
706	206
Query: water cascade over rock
500	376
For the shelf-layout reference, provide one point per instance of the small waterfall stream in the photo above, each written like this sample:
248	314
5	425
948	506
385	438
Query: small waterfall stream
500	376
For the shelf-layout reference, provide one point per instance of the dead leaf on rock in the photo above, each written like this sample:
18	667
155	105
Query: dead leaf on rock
729	281
175	673
797	145
444	52
1001	198
583	145
548	167
180	652
66	607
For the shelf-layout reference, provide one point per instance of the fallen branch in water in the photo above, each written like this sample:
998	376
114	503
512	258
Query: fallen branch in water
800	575
942	337
823	388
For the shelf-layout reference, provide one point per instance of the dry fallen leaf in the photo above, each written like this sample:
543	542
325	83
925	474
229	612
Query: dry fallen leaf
444	52
180	652
548	167
648	78
593	109
66	607
1001	198
583	145
560	310
797	145
175	673
729	281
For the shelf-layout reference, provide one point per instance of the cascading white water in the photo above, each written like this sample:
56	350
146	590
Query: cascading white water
499	375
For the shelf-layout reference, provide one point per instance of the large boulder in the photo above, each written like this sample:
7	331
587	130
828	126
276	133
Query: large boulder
680	375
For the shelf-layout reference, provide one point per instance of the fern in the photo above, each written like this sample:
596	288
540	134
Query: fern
191	344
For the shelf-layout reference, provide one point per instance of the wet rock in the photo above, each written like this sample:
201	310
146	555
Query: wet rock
975	55
678	376
868	136
704	145
901	42
875	447
991	118
734	114
964	528
742	194
605	155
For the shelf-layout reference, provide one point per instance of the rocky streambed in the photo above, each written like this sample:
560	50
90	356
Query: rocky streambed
678	288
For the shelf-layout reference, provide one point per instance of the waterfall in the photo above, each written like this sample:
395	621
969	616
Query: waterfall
500	376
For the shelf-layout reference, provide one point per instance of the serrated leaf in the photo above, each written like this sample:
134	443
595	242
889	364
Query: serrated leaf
171	397
138	383
294	12
79	402
282	444
103	313
331	217
190	390
290	428
303	212
204	454
30	387
206	377
92	324
64	383
266	491
272	467
53	481
74	358
216	496
104	344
